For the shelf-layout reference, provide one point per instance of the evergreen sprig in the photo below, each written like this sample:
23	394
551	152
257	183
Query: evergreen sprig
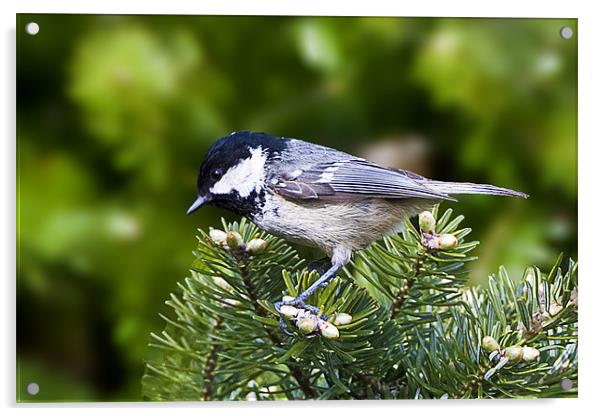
416	331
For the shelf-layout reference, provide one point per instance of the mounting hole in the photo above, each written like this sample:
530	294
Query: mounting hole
566	32
566	384
33	389
32	28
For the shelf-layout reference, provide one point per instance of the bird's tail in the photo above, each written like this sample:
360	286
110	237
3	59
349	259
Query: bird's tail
472	188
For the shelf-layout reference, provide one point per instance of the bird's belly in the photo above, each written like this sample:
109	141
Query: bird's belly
330	224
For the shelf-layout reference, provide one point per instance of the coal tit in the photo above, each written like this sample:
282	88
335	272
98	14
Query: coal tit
317	196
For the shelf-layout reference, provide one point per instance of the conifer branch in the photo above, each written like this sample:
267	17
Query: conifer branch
295	370
403	325
211	362
405	287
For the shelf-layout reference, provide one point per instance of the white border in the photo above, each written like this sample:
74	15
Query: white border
508	8
590	234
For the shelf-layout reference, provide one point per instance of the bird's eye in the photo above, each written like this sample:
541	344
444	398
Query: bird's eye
216	174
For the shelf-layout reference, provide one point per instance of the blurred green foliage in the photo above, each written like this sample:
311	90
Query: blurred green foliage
114	114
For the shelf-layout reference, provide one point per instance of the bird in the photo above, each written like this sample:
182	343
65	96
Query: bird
317	196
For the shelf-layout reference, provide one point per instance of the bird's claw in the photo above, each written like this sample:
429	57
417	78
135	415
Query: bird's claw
283	327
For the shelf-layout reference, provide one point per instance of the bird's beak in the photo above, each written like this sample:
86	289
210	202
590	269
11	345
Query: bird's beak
199	202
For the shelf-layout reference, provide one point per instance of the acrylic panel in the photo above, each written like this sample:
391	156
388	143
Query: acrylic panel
121	296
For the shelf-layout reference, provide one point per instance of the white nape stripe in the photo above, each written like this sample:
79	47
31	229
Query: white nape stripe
247	176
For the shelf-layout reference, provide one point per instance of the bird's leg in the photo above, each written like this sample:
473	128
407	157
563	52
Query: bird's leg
299	301
322	281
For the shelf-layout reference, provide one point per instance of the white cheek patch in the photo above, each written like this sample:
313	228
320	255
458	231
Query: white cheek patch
244	178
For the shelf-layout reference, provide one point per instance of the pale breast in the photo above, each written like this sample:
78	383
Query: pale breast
329	224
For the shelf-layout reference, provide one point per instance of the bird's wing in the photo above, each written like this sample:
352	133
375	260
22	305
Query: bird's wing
353	179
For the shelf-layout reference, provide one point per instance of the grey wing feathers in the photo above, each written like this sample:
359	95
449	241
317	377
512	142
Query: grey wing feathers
472	188
294	189
356	178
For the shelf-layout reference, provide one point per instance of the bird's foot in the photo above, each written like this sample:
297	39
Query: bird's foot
296	303
298	311
307	317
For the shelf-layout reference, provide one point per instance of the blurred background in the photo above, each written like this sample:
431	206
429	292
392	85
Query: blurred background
115	113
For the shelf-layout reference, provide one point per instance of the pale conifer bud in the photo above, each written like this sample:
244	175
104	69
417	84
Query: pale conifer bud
234	240
307	324
342	319
490	344
530	354
217	236
328	330
447	241
256	246
288	310
514	354
427	222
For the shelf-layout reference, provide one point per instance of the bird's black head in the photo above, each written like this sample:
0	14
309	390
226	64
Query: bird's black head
233	174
